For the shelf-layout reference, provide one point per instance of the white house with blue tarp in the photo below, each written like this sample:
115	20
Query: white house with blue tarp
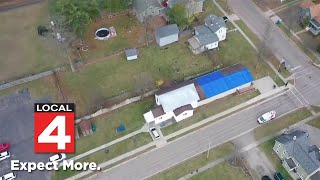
179	102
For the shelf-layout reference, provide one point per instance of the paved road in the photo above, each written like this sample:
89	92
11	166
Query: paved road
197	142
307	76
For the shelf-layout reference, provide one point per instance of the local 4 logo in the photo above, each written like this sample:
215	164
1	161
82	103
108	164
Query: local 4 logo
54	127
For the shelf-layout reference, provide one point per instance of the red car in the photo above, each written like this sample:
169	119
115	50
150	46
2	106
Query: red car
4	146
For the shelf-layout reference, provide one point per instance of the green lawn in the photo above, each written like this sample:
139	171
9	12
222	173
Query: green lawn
281	123
131	116
209	8
315	123
23	51
113	151
224	5
222	171
275	160
211	109
195	163
254	38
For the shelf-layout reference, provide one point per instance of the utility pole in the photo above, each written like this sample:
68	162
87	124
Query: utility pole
209	147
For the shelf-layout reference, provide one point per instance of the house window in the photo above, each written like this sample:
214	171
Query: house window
279	146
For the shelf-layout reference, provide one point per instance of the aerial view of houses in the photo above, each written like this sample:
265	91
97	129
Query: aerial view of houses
159	89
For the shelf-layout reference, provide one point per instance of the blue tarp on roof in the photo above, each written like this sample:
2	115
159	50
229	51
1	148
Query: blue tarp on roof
215	83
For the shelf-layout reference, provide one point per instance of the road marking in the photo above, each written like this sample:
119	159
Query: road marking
292	69
296	97
301	95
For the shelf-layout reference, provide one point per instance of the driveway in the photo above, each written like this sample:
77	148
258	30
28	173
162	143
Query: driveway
16	122
259	164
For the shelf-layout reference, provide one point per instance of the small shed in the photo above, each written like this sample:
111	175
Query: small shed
167	34
131	54
85	128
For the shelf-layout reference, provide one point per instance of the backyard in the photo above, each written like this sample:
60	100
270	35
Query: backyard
22	51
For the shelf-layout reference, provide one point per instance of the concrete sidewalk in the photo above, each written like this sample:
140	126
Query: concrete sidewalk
143	129
247	148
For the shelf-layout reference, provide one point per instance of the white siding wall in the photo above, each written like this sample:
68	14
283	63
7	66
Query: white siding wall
164	117
221	33
168	40
194	104
132	57
212	45
183	115
209	100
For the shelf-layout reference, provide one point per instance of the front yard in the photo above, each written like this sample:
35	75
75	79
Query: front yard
108	153
131	116
222	171
274	159
281	123
195	163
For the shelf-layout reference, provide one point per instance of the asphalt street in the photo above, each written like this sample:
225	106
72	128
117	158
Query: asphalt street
16	122
306	75
197	142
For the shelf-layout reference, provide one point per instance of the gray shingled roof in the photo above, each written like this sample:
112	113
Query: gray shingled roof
131	52
214	22
141	5
300	149
167	30
206	39
203	29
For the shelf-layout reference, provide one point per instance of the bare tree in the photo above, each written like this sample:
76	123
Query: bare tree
263	52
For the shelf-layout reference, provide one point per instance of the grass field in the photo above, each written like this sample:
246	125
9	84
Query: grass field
281	123
315	123
222	171
131	116
274	159
22	51
40	88
195	163
211	109
113	151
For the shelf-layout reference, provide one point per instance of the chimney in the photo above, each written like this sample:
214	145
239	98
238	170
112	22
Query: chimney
294	138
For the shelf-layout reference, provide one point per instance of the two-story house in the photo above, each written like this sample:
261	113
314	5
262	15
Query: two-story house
310	11
298	157
208	36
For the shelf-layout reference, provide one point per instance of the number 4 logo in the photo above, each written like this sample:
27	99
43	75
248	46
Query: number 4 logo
61	139
54	128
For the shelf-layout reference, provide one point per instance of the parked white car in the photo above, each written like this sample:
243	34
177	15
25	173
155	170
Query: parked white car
8	176
267	117
4	155
58	157
154	132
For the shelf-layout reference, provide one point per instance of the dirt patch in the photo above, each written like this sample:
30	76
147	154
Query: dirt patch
265	5
153	24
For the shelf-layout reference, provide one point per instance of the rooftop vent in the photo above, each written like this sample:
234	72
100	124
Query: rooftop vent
294	138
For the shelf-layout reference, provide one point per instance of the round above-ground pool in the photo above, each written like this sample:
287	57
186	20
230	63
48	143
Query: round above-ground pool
102	34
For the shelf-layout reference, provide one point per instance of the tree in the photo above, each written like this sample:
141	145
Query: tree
178	14
76	13
263	52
